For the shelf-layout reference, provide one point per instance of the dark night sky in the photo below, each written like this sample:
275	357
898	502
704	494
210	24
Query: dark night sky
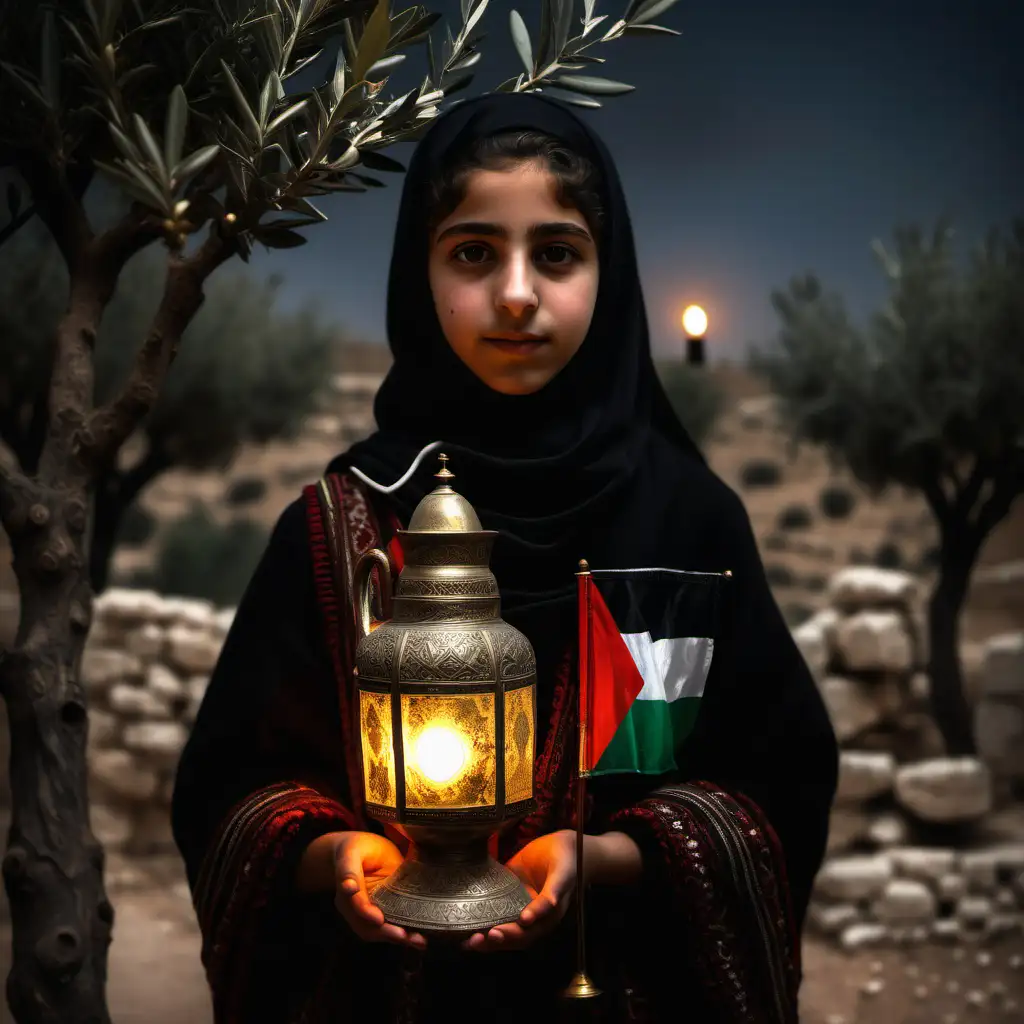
769	139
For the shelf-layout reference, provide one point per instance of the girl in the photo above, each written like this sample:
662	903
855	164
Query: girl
517	325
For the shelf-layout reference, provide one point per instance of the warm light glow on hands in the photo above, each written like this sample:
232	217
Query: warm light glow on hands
695	321
440	753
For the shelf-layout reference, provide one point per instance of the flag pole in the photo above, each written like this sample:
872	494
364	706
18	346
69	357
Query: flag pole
581	987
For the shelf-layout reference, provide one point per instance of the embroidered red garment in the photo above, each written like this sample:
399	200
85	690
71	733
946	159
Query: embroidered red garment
711	919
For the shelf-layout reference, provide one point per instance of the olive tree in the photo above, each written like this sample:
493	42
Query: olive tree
928	396
192	109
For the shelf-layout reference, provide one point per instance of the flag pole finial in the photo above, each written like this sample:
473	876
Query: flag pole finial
584	565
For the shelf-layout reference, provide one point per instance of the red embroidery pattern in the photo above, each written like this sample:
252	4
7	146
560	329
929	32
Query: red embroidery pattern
747	977
235	884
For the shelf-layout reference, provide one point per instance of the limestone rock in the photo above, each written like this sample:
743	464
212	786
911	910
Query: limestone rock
925	863
850	706
128	606
814	638
854	878
864	774
945	789
974	911
102	668
161	681
874	641
860	936
951	887
947	930
831	919
189	612
160	741
103	729
888	830
110	827
846	825
999	730
135	702
192	650
862	586
1004	666
905	901
122	775
146	641
985	869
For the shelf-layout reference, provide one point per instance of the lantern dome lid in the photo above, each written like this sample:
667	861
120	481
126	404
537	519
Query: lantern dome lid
443	510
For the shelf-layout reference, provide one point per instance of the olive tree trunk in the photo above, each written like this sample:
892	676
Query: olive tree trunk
53	868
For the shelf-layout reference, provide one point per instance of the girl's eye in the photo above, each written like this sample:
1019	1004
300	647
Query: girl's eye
477	253
560	255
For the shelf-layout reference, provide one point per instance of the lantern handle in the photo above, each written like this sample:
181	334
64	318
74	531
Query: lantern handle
364	614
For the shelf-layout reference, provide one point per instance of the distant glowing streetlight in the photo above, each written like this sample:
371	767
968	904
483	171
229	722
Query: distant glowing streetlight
695	325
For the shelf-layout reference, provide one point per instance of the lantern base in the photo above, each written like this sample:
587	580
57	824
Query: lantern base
451	890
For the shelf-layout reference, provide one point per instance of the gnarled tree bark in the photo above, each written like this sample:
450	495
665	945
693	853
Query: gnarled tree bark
53	868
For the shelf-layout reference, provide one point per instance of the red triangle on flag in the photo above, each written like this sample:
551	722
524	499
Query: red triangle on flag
612	681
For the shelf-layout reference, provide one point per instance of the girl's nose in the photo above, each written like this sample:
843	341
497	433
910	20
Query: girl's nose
517	290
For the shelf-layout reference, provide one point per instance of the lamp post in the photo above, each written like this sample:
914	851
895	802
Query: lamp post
695	325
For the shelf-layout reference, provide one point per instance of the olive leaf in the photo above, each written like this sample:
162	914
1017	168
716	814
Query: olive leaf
521	39
175	126
241	102
648	10
49	64
151	150
641	30
373	41
193	164
593	86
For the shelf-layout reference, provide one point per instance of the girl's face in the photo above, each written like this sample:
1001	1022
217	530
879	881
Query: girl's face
514	276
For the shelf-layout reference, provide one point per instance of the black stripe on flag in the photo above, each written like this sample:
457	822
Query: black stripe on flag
666	604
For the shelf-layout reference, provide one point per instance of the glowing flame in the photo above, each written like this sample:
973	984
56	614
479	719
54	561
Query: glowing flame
440	753
695	321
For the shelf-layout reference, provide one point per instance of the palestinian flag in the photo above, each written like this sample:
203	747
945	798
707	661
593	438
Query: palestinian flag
647	638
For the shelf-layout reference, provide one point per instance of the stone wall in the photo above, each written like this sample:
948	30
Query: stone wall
921	847
146	666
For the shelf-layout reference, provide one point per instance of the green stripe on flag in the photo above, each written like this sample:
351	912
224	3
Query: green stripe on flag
646	741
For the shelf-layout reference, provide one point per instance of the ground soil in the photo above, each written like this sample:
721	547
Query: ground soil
156	976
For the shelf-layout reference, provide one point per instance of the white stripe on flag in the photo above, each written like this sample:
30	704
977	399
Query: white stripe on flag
671	668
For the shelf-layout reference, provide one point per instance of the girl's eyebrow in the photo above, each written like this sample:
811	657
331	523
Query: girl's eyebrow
475	227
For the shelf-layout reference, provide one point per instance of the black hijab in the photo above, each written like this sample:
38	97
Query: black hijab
552	471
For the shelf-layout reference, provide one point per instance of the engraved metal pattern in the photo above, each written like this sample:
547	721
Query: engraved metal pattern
419	896
519	744
376	655
378	753
515	655
471	586
445	655
472	552
447	611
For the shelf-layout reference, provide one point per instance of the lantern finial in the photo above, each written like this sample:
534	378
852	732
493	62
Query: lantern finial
444	474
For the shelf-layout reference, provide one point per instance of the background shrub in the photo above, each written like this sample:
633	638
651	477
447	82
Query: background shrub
246	490
199	557
794	517
137	526
760	473
836	502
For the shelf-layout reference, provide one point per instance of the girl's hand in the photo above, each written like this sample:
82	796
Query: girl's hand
362	860
547	867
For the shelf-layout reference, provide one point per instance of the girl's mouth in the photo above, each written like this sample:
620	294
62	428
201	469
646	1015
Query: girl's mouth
521	346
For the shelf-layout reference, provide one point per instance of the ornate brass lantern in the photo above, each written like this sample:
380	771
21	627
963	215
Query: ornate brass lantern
447	716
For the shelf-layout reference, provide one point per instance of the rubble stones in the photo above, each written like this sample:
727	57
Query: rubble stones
860	936
831	919
854	878
945	789
122	775
907	902
875	641
858	587
135	702
864	774
1004	666
927	864
888	830
850	705
102	668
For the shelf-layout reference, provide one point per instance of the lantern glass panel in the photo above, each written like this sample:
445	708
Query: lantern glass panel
378	750
518	744
448	743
